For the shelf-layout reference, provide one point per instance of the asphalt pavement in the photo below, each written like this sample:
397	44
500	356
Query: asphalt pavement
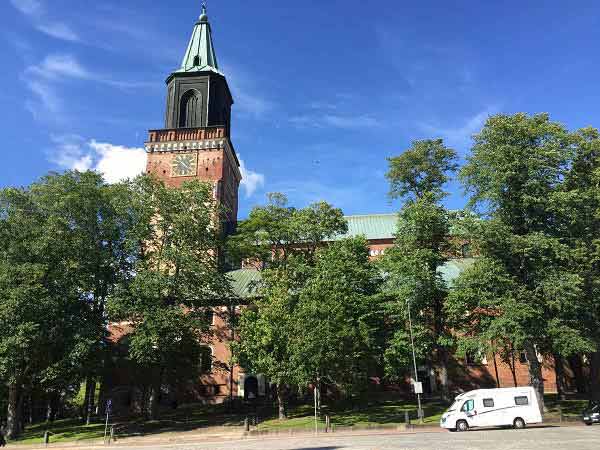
540	438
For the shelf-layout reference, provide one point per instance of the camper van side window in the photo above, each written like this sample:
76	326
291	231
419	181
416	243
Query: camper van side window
488	402
468	406
521	401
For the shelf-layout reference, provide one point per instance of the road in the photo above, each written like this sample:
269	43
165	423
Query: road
546	438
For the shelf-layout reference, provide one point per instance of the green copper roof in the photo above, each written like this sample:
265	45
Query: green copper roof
372	226
244	281
200	55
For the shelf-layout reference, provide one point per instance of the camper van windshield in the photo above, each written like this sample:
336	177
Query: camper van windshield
454	406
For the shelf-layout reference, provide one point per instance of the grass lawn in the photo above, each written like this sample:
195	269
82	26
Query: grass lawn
380	414
376	415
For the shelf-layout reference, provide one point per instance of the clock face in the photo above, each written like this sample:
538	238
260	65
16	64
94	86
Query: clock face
183	166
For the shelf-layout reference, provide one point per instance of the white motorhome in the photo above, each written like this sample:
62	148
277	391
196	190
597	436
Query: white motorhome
516	407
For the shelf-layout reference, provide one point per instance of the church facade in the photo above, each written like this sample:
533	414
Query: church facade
196	145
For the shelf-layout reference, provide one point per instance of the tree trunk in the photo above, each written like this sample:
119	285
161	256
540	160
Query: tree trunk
318	396
31	409
513	368
559	373
51	406
443	373
595	376
496	370
86	399
12	419
91	400
99	411
281	402
535	374
153	399
577	367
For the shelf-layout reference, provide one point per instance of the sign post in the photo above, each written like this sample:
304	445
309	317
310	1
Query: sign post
416	380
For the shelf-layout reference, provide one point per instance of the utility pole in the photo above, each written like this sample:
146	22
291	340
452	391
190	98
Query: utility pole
412	342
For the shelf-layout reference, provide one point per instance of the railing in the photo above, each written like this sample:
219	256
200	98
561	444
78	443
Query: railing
186	134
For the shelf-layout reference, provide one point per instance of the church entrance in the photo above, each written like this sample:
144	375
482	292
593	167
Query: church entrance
251	388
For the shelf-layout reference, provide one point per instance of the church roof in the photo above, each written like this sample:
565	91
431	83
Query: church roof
200	55
244	282
372	226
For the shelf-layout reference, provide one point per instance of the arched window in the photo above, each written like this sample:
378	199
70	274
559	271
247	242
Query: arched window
196	61
190	113
206	359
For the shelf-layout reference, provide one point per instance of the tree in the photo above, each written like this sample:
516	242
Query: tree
41	317
282	241
578	210
422	170
337	322
97	216
176	275
421	247
516	167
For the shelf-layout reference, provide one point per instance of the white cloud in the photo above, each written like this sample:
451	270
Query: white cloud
59	30
114	162
117	162
60	65
28	7
36	12
44	78
45	104
251	180
248	99
460	136
346	122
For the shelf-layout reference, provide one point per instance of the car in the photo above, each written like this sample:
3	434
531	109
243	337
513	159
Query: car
591	414
514	407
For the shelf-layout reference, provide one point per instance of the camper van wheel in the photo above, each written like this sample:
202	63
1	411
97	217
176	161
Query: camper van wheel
462	425
519	423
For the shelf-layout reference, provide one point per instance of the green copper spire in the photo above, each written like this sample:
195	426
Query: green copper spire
200	55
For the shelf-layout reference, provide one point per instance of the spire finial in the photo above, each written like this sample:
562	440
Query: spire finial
203	16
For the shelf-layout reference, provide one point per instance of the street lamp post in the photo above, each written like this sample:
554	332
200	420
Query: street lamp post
412	343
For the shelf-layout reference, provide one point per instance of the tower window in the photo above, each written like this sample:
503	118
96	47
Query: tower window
190	112
196	61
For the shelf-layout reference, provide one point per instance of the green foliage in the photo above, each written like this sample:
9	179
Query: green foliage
337	319
412	266
523	173
316	316
421	170
275	231
175	276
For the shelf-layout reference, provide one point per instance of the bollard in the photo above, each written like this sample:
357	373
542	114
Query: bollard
112	435
327	423
246	424
407	418
47	438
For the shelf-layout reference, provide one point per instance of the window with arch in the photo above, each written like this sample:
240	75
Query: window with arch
206	357
196	61
190	111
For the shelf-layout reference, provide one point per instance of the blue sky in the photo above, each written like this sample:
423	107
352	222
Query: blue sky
324	90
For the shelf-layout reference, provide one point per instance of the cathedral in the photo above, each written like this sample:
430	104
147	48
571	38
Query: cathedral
196	144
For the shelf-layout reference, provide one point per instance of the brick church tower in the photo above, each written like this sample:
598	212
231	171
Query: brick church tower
195	143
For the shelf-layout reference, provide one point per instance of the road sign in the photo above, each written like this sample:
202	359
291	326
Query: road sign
418	386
